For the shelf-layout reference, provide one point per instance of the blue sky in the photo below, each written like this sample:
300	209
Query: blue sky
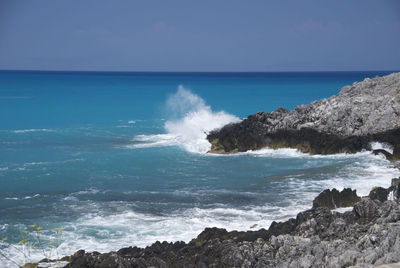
216	35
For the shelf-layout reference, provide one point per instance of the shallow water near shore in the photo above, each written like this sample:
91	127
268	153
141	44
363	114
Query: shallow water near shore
120	159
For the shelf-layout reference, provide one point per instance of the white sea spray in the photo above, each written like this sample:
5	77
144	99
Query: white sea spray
192	120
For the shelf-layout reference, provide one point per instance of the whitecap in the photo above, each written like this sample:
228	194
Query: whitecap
25	197
11	198
33	130
88	191
42	163
29	197
71	198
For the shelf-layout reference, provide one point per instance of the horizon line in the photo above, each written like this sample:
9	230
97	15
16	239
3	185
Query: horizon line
189	72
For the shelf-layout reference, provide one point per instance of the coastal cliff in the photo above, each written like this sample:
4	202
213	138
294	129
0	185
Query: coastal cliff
364	112
367	234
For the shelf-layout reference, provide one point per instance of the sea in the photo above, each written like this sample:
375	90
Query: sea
120	159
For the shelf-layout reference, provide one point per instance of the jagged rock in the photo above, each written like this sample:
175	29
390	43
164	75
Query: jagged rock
379	193
364	112
367	235
366	210
334	199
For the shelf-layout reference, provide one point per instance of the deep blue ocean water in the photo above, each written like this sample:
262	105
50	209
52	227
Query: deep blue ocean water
119	159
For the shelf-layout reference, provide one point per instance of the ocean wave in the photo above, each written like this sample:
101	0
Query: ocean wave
383	146
364	172
11	198
103	233
28	164
87	191
267	152
33	130
294	153
194	121
33	196
157	140
33	165
22	198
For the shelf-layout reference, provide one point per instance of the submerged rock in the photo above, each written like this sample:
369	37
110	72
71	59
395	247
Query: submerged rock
368	235
364	112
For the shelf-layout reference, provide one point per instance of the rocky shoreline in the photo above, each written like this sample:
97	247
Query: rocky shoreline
365	112
365	235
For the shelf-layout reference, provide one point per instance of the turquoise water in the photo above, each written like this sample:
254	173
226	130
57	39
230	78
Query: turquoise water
119	159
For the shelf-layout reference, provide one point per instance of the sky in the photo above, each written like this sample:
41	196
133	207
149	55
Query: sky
206	35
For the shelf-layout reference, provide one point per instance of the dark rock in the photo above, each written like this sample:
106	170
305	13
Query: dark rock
334	199
395	188
286	227
395	182
366	210
385	153
29	265
379	193
79	253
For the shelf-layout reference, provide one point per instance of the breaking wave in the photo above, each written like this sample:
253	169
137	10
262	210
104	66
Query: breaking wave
193	120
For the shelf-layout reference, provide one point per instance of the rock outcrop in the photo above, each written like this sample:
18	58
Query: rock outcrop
367	235
364	112
334	199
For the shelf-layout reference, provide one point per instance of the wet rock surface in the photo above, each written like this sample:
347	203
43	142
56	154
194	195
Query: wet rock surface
364	112
367	235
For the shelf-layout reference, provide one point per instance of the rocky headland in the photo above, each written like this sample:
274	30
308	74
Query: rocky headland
365	235
364	112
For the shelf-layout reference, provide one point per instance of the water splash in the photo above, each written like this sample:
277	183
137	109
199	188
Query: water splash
192	120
